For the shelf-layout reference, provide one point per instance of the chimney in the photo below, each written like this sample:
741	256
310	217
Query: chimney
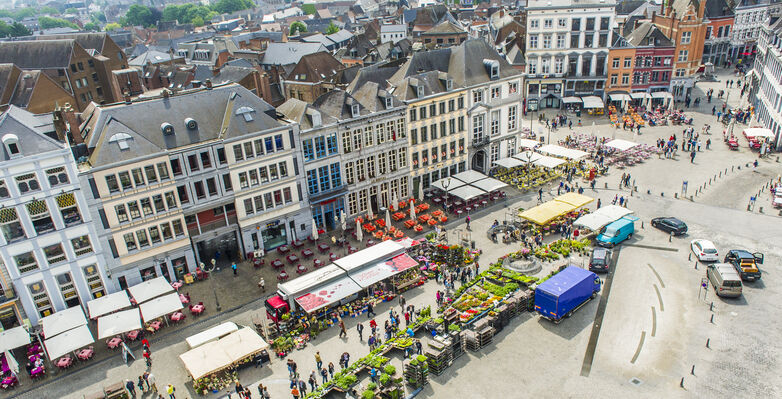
67	122
701	8
127	97
208	84
166	93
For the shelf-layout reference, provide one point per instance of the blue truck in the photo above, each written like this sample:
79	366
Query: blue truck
565	292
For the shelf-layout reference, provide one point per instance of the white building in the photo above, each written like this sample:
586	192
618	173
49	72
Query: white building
747	25
392	33
49	244
766	78
567	49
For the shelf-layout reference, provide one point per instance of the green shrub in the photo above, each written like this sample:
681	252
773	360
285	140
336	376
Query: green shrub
389	369
368	395
454	327
385	379
421	358
371	386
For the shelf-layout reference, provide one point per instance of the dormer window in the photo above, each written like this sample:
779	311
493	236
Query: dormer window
354	109
11	143
448	84
419	91
389	102
316	119
492	67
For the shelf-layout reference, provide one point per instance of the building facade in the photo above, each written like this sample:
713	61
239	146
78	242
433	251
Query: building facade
49	246
567	49
720	18
750	17
641	60
766	78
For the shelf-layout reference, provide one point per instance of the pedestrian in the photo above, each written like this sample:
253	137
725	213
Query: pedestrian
331	370
295	393
140	383
370	309
145	344
540	194
324	375
239	388
407	319
692	156
371	342
373	375
418	347
170	391
303	387
342	332
233	267
313	381
360	329
621	200
402	301
130	387
151	382
598	203
147	357
262	284
318	360
468	222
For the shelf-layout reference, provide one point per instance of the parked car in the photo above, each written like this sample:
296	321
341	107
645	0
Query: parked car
724	279
745	263
600	259
704	250
616	231
670	225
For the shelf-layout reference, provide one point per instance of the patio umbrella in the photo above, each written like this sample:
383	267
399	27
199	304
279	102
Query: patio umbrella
394	201
388	218
13	365
421	190
412	210
370	215
359	232
314	230
343	221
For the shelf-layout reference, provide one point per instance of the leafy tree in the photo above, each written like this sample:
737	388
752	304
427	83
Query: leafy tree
229	6
92	27
296	28
98	17
23	13
50	10
141	15
71	10
112	26
197	21
331	29
309	9
48	22
17	29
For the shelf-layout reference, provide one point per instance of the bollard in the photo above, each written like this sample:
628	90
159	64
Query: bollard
606	185
693	370
712	319
642	223
691	198
711	307
681	383
696	264
760	210
749	207
707	342
675	195
777	159
709	181
689	256
720	173
670	237
662	194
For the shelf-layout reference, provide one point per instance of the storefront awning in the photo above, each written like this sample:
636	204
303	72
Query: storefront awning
528	143
640	95
546	212
593	102
452	183
211	334
63	321
327	294
508	163
528	156
159	307
68	341
469	176
467	192
621	145
108	303
383	270
13	338
549	162
619	97
489	184
118	323
662	94
150	289
571	100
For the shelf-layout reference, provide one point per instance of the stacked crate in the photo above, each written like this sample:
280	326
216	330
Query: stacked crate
439	355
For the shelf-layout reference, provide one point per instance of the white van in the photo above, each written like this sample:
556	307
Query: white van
725	280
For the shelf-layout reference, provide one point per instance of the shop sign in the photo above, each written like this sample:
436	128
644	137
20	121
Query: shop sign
272	224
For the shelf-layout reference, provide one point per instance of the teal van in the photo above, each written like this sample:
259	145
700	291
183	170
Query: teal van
617	231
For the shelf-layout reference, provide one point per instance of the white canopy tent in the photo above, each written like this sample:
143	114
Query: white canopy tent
571	100
621	145
759	132
13	338
572	153
662	94
563	152
159	307
469	176
211	334
527	143
640	95
378	252
150	289
108	303
380	271
466	193
508	163
118	323
489	184
451	185
214	356
622	97
68	341
63	321
593	102
528	156
596	220
549	162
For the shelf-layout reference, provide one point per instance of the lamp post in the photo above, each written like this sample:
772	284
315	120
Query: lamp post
212	283
446	183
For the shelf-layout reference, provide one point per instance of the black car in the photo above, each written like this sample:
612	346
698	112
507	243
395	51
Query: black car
600	259
670	225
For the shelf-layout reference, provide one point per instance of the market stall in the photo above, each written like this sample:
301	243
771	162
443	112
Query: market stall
549	162
160	307
507	163
13	338
546	212
211	334
380	271
466	192
327	294
489	184
574	199
63	321
757	136
527	143
108	303
213	357
607	214
68	341
380	252
150	289
593	104
118	323
621	145
562	152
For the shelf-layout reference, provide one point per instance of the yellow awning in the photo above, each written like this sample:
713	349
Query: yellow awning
546	212
575	199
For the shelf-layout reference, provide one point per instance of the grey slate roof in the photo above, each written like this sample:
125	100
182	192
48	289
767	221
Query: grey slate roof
336	104
290	52
152	56
341	36
377	73
86	40
433	82
301	113
31	131
718	9
646	30
627	7
372	96
142	121
37	54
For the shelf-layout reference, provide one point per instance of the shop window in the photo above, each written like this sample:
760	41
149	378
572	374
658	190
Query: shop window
10	225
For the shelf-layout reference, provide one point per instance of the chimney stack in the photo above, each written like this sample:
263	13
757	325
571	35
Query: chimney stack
127	97
208	84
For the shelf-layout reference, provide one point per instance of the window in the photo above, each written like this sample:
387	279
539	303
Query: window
559	65
495	123
26	262
532	67
160	206
130	241
112	184
402	158
10	224
336	178
248	150
422	112
81	245
424	134
68	209
460	102
269	144
27	183
39	215
192	160
308	149
590	25
562	22
575	25
273	172
346	143
575	40
94	281
248	207
253	177
146	206
151	174
162	171
264	174
687	37
533	41
133	208
122	213
477	96
199	190
425	157
495	92
54	254
238	154
534	23
278	144
56	176
627	62
206	160
625	79
138	177
143	241
176	167
413	115
512	118
477	127
331	143
613	80
546	41
220	157
604	22
461	123
177	225
312	182
154	234
432	110
433	130
283	168
494	153
320	147
371	167
683	55
548	23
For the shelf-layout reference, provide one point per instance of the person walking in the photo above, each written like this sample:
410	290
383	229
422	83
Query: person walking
370	309
468	222
402	301
262	284
342	332
140	383
295	393
170	391
313	381
147	357
151	382
233	267
540	194
318	360
331	370
598	203
130	387
324	375
303	387
360	329
692	156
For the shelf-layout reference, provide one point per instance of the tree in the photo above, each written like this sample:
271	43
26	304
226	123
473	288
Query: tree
229	6
332	29
98	17
49	22
197	21
296	28
309	9
18	29
112	26
71	10
92	27
141	15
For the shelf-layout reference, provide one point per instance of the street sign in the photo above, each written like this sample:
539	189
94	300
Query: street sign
704	282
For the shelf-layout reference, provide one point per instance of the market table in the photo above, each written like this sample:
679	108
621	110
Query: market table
283	249
333	257
283	276
178	316
85	354
184	299
301	269
323	248
177	285
155	324
292	258
114	342
307	253
133	335
277	264
318	263
197	309
65	362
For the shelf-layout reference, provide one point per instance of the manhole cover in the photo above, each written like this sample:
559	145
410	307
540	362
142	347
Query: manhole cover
635	381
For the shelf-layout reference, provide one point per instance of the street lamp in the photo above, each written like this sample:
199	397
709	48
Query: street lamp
446	183
212	283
